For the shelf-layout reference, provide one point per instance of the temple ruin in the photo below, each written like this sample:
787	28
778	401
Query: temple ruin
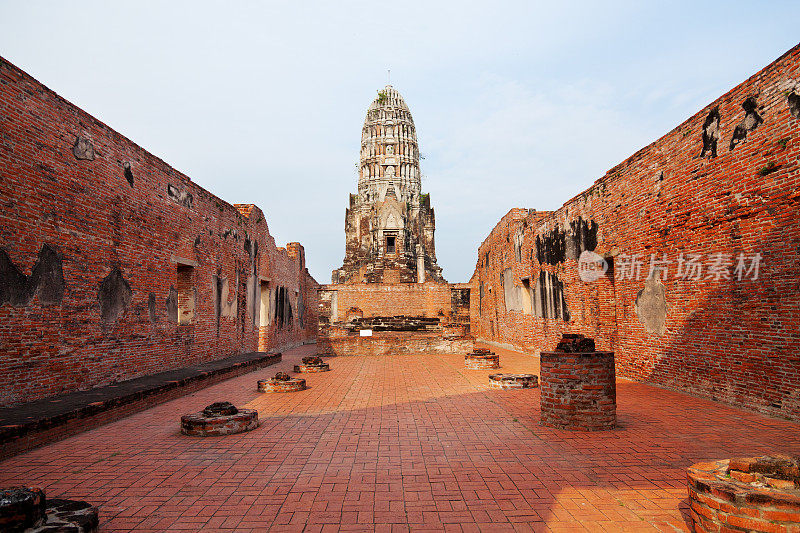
660	306
390	286
389	224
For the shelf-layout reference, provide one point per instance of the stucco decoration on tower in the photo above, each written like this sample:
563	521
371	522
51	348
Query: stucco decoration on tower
389	224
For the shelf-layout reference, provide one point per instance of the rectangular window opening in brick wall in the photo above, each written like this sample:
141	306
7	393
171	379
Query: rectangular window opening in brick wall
527	308
264	310
185	294
264	316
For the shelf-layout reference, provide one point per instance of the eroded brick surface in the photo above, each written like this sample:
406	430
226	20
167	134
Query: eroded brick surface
578	390
342	342
449	303
756	494
513	381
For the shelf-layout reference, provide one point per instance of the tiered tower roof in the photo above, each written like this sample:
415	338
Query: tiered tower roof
389	161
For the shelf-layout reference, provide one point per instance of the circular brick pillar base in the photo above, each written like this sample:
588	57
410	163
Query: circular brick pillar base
21	508
70	515
480	361
513	381
750	494
199	425
304	369
276	385
578	390
27	509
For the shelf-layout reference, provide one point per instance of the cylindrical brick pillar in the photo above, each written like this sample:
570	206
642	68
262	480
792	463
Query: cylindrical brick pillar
578	390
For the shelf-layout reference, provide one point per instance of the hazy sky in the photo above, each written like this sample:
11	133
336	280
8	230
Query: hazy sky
517	104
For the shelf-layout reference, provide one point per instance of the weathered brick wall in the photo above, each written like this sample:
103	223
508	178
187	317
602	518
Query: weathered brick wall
379	299
341	342
725	182
341	303
104	248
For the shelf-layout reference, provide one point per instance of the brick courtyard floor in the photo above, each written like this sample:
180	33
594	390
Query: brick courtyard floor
398	443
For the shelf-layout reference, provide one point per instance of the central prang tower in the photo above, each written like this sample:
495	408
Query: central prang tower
389	225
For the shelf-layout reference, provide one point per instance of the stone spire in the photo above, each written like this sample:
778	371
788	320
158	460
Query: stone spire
389	225
389	162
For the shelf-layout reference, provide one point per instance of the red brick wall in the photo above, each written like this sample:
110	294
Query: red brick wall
341	342
118	245
732	340
378	299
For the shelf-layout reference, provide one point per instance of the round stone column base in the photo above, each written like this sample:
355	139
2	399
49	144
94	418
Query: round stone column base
475	361
21	508
305	369
69	516
748	494
275	385
199	425
513	381
26	509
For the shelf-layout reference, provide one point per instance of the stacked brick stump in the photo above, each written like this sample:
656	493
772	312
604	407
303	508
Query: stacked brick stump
754	494
312	364
219	418
578	386
481	359
282	382
26	509
513	381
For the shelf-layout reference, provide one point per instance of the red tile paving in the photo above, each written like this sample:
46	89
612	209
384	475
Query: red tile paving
397	444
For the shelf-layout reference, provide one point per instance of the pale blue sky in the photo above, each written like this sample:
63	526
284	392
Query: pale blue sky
517	104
